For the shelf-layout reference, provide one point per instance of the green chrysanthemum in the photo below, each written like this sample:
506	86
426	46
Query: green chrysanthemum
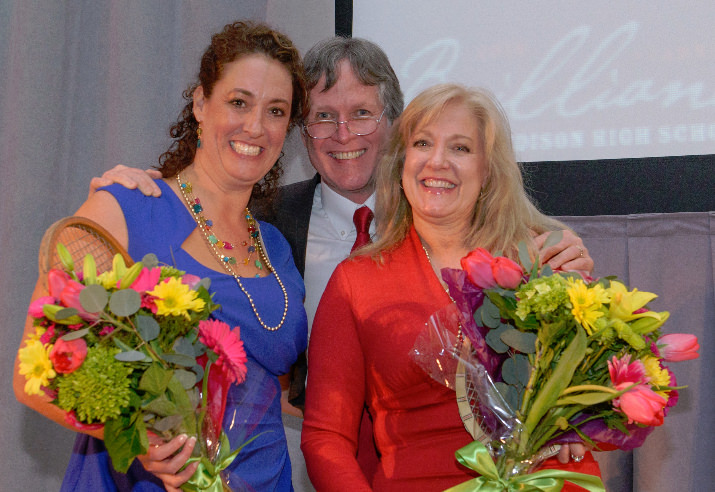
99	389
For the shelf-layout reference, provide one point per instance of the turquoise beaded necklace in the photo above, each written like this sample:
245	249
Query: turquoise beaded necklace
228	262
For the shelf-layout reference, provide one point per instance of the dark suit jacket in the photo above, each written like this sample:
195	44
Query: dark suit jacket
290	213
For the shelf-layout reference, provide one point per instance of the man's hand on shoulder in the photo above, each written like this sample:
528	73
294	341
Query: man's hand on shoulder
129	177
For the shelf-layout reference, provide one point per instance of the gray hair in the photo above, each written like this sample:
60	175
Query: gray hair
369	64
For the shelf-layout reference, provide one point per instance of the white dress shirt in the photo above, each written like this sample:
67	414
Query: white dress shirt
331	235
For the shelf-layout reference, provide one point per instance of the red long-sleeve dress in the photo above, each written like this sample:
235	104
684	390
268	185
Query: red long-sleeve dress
363	333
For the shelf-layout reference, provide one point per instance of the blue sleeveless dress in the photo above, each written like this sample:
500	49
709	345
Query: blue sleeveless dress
160	226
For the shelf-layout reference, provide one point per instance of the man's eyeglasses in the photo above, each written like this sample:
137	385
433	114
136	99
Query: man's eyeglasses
360	125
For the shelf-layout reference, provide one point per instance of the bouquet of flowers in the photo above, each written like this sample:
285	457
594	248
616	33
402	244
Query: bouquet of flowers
133	350
550	357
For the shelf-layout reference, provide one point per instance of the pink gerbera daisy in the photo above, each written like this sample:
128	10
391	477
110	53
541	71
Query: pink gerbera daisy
219	338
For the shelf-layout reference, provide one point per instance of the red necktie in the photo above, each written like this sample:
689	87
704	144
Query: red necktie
362	218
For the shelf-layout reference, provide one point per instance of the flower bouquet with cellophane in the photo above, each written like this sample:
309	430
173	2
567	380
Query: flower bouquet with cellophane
133	350
540	358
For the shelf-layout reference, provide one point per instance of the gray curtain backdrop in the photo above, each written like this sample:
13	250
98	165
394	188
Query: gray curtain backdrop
87	84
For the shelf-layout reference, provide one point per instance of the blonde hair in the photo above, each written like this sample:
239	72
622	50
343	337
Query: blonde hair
502	216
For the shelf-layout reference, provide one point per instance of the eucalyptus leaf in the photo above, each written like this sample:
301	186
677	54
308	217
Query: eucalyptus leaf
508	372
553	239
520	341
150	261
93	298
125	302
493	339
148	327
515	371
73	335
523	368
169	423
179	359
198	370
509	393
483	319
185	347
524	257
187	378
204	282
65	313
131	356
490	312
123	346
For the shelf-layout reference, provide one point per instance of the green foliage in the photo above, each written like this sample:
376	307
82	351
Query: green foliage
125	438
559	380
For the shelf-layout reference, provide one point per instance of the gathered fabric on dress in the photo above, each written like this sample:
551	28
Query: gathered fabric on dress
364	331
160	226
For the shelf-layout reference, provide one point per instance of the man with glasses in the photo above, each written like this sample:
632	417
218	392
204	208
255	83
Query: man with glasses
354	99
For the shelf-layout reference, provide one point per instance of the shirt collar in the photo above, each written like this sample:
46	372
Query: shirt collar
340	210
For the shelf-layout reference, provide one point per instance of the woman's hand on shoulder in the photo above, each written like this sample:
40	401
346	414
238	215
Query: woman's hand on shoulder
569	254
165	460
129	177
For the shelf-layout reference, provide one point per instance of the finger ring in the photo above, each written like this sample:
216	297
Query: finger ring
577	459
580	249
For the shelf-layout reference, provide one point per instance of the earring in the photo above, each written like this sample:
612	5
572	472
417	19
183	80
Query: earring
198	136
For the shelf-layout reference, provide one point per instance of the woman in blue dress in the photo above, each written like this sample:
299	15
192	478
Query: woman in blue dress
227	143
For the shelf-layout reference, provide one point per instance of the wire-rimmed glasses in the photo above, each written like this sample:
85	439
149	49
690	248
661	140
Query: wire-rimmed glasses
360	125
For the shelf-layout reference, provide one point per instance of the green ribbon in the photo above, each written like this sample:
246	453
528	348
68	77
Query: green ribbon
476	457
207	477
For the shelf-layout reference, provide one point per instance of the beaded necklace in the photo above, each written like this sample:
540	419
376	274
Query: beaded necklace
227	262
460	335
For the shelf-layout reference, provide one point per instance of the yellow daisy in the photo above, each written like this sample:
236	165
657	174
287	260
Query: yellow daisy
586	303
175	298
657	374
36	366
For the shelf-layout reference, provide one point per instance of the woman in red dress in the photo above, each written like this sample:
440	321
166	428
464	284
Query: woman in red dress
448	183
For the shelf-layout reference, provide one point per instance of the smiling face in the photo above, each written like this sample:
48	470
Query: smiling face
346	162
445	169
245	120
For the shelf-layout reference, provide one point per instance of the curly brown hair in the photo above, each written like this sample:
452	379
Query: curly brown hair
233	42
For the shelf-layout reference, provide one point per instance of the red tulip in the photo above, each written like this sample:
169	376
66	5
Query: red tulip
478	265
507	273
56	280
642	405
70	295
676	347
66	357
